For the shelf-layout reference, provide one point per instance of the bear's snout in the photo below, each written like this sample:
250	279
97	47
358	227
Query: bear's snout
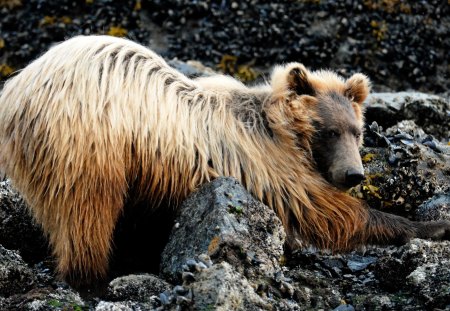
353	177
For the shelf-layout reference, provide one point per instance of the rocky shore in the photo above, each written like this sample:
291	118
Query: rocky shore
225	251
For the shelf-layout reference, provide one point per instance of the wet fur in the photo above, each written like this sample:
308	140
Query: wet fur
99	121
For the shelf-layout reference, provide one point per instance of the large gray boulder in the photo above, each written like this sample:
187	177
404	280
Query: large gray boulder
224	221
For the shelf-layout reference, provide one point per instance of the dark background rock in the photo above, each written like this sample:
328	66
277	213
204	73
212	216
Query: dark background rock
400	44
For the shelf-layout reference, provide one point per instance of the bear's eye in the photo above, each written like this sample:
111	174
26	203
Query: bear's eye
332	133
358	135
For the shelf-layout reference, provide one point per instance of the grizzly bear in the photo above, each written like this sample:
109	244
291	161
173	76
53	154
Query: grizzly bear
99	121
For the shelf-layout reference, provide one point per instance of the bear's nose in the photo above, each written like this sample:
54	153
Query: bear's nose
353	177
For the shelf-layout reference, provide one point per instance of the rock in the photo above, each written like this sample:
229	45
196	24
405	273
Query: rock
224	221
314	287
31	289
17	228
344	308
117	306
423	267
46	299
192	69
373	41
431	277
226	246
221	287
436	208
357	263
430	112
15	275
128	305
398	278
404	167
136	287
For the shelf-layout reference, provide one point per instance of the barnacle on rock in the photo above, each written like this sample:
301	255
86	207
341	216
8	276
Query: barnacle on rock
47	20
246	73
137	5
117	31
213	246
5	70
368	190
379	29
10	3
229	65
368	157
389	6
66	20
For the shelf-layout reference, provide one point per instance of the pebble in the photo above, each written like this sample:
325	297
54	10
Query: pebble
205	259
188	277
357	263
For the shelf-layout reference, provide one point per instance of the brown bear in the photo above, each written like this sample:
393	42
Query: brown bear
99	121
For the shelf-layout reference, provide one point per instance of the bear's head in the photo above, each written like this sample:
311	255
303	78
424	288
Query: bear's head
330	108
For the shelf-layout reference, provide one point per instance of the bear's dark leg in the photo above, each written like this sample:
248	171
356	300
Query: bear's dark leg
383	228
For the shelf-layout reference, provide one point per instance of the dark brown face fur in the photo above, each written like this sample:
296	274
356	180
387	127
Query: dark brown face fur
338	135
336	145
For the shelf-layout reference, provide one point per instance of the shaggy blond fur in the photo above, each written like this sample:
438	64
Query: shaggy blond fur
98	117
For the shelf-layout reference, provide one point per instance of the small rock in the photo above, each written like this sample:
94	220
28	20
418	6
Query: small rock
15	275
344	308
436	208
357	263
136	287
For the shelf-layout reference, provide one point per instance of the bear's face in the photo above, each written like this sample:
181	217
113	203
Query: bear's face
338	138
333	106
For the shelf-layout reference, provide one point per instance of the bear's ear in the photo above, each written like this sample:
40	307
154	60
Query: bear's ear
357	87
298	81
